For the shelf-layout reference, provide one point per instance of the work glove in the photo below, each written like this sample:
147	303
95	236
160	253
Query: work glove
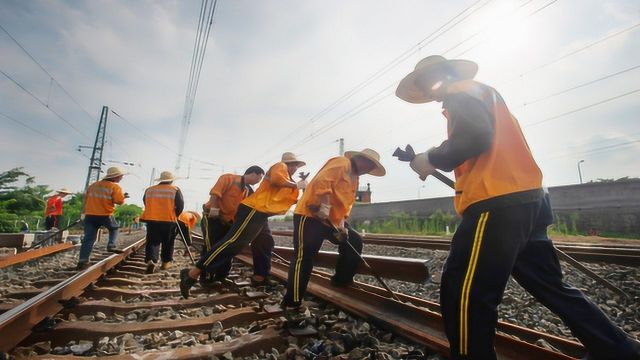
323	211
302	184
82	216
421	165
214	213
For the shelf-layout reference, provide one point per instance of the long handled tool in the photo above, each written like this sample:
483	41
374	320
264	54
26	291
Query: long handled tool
339	235
184	241
55	233
408	154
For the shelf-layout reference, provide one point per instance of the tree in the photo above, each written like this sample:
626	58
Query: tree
20	203
126	213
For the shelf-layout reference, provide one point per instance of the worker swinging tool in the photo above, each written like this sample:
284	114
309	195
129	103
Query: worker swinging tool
319	215
409	154
505	214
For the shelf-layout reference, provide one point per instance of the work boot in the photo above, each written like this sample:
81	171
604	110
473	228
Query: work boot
186	282
82	265
113	249
263	282
166	265
340	283
151	267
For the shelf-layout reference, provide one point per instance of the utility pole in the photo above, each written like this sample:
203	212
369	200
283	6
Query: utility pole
341	140
95	164
580	170
153	175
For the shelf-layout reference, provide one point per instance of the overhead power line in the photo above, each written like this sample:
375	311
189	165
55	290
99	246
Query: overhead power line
205	22
21	123
581	108
434	35
53	81
45	105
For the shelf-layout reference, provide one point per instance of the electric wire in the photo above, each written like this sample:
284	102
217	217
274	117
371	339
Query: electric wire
43	104
207	11
396	61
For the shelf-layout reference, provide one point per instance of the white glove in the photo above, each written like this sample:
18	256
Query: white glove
214	213
302	184
82	216
421	165
323	212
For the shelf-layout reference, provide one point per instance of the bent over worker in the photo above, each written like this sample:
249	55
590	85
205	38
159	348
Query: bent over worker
100	202
53	209
276	194
186	221
323	208
220	212
162	205
498	193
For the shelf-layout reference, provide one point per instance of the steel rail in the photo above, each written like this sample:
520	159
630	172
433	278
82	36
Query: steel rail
626	255
411	322
33	254
17	323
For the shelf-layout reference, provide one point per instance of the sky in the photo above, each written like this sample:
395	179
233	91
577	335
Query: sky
299	75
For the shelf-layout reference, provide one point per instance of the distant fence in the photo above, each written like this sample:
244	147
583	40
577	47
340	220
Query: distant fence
607	208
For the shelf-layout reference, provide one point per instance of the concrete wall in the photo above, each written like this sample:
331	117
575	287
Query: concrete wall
600	207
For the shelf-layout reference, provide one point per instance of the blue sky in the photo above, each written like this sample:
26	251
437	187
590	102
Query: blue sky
272	66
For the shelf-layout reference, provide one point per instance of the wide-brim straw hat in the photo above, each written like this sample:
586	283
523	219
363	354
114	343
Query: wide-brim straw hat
371	155
64	190
290	157
114	172
166	176
435	67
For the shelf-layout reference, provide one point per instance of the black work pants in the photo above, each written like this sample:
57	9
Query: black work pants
308	236
489	246
213	230
244	230
261	249
183	229
52	221
160	233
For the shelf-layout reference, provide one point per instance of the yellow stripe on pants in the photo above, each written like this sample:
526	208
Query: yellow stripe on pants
231	240
468	280
207	243
296	272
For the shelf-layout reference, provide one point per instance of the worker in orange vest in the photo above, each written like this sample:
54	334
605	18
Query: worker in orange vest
323	208
498	193
277	192
162	205
220	212
53	210
186	221
100	202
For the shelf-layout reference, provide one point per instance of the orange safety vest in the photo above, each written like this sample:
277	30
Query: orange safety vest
160	203
188	219
101	198
334	178
271	197
230	191
507	167
54	206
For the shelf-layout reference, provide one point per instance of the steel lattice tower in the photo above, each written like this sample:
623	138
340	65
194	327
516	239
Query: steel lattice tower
95	163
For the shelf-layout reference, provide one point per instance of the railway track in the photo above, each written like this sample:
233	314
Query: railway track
114	309
628	255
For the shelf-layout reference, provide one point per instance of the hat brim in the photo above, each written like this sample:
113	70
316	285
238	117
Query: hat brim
64	192
165	180
379	170
409	92
114	176
302	163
